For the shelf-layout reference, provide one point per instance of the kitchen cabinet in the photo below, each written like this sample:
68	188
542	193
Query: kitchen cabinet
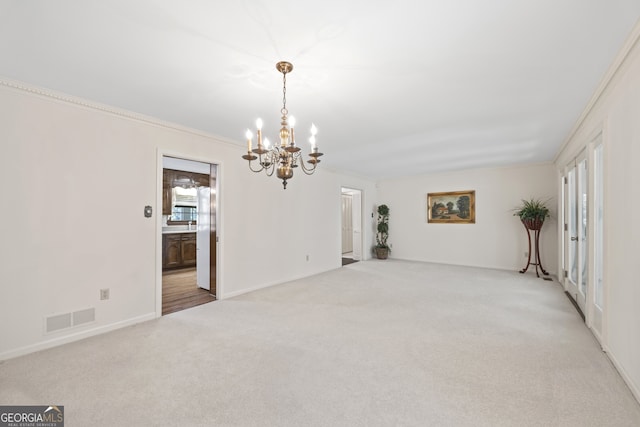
188	249
174	178
166	191
178	250
171	251
189	179
201	180
182	179
185	179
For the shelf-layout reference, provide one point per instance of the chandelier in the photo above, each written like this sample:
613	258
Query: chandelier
282	158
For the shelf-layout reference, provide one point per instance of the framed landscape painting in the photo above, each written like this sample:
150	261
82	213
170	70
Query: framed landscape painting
457	207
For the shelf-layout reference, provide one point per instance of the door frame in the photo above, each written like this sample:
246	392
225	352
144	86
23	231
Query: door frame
355	226
595	317
582	234
597	313
219	221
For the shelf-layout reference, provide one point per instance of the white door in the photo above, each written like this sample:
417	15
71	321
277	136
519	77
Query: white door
576	229
598	239
356	207
203	238
347	223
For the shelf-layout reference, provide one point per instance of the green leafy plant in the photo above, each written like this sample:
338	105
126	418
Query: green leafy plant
532	209
383	227
532	213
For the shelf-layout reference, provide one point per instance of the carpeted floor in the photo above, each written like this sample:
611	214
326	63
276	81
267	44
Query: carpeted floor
375	343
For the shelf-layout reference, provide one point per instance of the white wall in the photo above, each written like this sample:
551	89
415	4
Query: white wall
69	229
615	111
496	240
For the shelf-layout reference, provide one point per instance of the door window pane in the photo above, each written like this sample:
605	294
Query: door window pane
573	227
599	226
583	192
563	261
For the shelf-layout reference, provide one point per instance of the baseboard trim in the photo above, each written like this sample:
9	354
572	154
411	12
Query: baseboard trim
77	336
627	379
228	295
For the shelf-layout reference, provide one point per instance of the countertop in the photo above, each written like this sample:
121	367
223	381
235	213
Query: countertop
171	231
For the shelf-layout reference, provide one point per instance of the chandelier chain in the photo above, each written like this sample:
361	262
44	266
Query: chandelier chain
284	110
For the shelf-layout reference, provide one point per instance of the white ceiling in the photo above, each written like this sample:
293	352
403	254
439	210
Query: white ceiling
395	88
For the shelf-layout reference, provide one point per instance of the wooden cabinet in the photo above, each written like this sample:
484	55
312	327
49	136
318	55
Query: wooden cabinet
188	249
171	250
202	180
182	179
173	178
166	192
178	250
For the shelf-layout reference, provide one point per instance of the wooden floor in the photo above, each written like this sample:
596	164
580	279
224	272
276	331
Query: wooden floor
179	291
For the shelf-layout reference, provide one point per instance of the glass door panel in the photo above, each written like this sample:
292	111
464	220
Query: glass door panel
572	228
576	210
599	227
583	232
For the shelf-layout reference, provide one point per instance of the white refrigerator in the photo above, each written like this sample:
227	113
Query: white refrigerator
203	238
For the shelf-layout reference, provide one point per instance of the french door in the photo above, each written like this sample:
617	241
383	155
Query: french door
576	230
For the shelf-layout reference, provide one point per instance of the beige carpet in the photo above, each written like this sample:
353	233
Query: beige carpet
376	343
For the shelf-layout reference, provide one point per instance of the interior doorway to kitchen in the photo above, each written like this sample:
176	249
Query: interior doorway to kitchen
189	238
351	225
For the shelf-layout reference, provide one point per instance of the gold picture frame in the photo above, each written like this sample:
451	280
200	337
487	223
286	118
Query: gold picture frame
452	207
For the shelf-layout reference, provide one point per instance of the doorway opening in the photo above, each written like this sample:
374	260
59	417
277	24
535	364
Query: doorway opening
351	224
189	222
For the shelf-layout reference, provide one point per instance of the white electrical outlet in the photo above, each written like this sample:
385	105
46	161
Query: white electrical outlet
526	254
307	257
104	294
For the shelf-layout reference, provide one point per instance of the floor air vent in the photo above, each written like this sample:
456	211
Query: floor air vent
69	320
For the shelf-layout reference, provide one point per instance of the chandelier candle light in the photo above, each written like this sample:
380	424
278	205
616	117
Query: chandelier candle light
286	156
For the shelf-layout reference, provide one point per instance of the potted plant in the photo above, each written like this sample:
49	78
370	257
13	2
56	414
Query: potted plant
532	213
382	249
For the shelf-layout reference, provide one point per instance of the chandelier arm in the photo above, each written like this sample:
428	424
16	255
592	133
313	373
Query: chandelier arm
272	166
255	170
308	171
269	171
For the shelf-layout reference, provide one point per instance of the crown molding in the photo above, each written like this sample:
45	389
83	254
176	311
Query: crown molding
96	106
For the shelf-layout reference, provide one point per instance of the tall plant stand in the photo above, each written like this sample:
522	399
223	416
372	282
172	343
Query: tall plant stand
534	225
